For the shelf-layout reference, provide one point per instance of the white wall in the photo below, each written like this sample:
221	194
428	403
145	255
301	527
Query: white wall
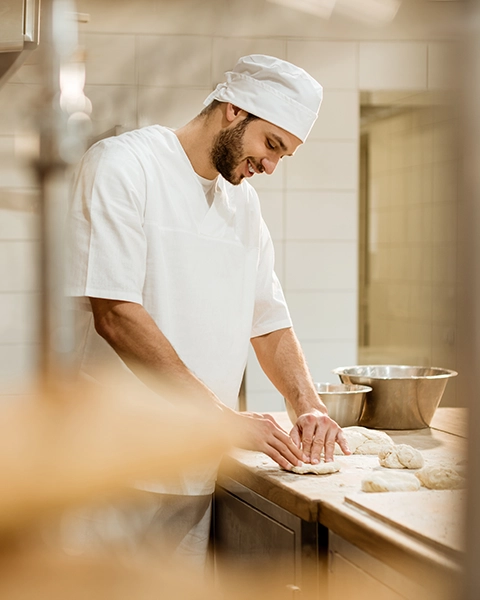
155	61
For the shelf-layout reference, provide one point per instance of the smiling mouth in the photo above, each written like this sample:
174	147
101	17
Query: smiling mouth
253	169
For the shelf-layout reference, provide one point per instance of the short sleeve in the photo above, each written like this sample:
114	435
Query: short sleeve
271	311
106	240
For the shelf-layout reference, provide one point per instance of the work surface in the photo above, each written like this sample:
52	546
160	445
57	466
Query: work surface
424	523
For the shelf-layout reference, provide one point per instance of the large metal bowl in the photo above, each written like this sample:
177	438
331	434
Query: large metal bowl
344	402
402	397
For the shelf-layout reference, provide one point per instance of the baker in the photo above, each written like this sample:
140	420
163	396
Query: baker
173	267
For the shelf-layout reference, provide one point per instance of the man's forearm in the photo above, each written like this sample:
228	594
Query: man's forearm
136	338
281	357
134	335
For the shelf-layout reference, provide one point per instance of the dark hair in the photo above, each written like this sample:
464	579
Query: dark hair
209	108
213	105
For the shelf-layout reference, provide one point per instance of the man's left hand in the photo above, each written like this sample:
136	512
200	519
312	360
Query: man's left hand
316	433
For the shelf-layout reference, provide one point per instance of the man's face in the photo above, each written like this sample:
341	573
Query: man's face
250	145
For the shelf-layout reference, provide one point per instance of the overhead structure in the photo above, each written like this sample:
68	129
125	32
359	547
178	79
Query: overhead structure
375	12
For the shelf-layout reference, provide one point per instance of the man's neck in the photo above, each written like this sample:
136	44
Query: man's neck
196	138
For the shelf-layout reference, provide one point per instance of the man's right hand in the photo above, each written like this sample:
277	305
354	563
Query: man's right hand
261	433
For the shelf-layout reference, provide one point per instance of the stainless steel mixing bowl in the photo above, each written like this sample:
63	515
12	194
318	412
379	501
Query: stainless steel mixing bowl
344	402
402	397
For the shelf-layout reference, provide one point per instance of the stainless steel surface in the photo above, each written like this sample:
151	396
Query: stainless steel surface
402	397
344	402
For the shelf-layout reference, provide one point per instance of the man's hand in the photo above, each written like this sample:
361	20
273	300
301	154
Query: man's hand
316	433
261	433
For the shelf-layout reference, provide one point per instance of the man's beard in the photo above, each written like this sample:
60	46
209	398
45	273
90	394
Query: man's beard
227	150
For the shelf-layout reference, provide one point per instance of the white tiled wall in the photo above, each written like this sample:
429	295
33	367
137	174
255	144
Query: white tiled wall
392	66
155	61
334	64
226	52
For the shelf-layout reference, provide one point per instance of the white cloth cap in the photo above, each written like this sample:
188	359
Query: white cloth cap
274	90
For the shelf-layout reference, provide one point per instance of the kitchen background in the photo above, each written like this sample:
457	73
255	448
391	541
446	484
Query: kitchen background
363	218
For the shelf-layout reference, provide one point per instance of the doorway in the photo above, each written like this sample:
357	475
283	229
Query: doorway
408	233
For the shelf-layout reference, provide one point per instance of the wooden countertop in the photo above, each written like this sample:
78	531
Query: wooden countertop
417	530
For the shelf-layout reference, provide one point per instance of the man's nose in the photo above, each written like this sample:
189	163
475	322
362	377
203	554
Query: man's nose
269	165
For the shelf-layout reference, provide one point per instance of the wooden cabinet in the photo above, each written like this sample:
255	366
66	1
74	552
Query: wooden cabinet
253	536
355	575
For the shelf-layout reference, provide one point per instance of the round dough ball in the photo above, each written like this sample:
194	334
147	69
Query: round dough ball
400	456
364	441
440	477
321	468
390	482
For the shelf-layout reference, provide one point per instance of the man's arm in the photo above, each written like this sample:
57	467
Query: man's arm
134	335
282	359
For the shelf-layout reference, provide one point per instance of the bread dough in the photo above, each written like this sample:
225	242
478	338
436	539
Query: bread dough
364	441
354	439
400	456
321	468
440	477
390	482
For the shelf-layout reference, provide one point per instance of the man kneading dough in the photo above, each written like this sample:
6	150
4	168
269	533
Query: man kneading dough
173	268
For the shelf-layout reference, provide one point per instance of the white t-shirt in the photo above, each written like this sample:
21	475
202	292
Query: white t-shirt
142	231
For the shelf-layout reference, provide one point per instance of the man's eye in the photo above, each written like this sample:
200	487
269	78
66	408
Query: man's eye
270	145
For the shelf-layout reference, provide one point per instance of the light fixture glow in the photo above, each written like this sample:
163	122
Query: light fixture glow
375	12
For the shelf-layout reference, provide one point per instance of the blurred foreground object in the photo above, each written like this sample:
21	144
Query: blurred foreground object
49	574
64	126
64	446
469	277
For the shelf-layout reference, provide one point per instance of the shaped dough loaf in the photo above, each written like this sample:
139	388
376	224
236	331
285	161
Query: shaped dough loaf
364	441
440	477
390	482
400	456
321	468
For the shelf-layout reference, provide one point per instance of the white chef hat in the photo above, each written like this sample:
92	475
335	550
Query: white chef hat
274	90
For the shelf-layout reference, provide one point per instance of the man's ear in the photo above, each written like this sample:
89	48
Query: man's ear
232	112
